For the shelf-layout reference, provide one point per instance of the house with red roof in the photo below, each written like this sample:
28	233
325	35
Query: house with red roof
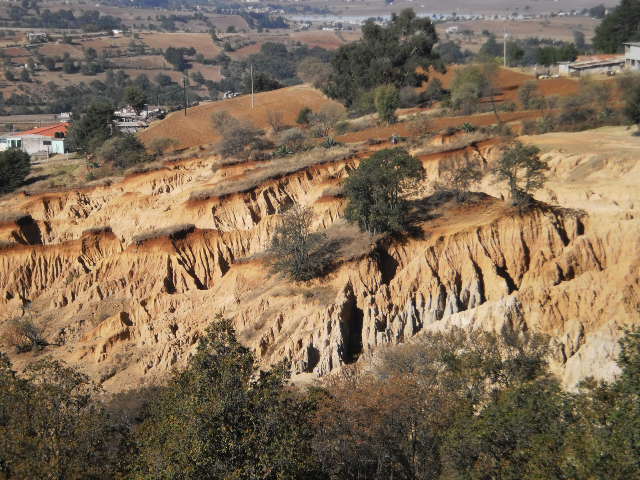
47	140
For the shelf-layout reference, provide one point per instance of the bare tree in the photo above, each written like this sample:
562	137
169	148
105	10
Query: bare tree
298	252
275	120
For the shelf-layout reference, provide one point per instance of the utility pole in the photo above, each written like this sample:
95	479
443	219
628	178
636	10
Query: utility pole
504	44
186	98
252	102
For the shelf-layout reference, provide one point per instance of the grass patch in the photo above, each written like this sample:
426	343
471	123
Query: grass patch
174	232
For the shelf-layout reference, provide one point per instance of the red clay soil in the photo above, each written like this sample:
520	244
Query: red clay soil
508	82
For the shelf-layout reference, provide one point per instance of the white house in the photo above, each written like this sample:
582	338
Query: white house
632	55
593	64
43	140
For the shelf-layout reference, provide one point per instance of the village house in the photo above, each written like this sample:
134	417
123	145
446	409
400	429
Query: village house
632	55
592	64
39	141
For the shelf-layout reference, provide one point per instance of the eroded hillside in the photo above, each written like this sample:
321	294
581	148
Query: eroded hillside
123	277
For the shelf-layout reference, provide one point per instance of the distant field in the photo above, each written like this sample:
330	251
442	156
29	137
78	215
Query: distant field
202	42
372	8
558	28
196	128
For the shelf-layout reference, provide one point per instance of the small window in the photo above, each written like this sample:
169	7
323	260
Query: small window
46	142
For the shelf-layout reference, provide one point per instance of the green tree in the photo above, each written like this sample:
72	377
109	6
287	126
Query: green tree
297	252
521	167
632	104
387	100
376	189
385	55
92	128
122	151
15	165
175	56
51	427
604	442
304	116
135	97
391	420
469	85
223	418
519	436
619	26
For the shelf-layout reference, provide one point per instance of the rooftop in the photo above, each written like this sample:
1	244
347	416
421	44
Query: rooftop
49	131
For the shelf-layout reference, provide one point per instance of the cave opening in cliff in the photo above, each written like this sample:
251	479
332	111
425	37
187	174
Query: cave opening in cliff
353	337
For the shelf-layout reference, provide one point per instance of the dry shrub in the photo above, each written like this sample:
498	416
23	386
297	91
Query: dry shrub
23	335
419	125
274	169
462	141
275	120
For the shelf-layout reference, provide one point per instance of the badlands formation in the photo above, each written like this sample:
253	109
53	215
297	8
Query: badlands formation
124	276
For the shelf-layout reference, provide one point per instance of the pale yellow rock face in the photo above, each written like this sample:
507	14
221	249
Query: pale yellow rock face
127	306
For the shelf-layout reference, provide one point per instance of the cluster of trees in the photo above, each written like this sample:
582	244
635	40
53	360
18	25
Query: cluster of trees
31	16
176	57
53	98
592	106
273	67
618	26
377	192
450	405
532	51
400	54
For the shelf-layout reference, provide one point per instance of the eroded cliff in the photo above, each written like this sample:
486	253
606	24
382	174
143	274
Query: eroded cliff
124	277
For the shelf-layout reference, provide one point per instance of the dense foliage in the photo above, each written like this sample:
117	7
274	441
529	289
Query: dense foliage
51	426
223	418
388	54
454	405
15	165
619	26
376	189
28	14
92	128
523	170
122	151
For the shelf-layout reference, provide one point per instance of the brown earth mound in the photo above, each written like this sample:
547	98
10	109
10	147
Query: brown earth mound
196	127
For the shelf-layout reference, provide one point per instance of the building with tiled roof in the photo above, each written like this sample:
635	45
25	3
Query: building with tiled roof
38	141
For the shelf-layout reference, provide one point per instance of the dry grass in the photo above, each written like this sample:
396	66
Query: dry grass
174	232
10	217
461	141
275	169
196	127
